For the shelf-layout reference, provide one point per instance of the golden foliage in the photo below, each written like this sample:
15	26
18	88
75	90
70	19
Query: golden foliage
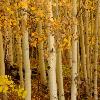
7	85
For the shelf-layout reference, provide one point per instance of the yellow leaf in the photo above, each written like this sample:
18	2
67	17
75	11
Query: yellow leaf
33	33
60	4
65	40
1	89
37	19
24	94
9	10
23	4
40	13
54	4
40	39
33	8
5	89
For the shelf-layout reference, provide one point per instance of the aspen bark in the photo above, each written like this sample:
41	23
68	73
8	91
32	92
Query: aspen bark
41	56
60	75
59	70
25	51
52	52
74	52
19	59
2	65
96	50
19	54
87	42
83	54
41	67
78	70
8	36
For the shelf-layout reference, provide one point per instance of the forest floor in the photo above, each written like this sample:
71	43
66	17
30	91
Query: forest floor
41	92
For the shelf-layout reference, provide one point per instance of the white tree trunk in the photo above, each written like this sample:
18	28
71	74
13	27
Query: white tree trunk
52	53
2	65
26	64
25	51
60	75
59	71
74	52
52	68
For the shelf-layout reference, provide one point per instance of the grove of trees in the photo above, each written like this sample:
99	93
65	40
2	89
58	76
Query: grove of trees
49	49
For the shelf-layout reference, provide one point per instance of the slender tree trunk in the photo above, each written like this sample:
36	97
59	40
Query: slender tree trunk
96	50
2	68
8	36
74	52
19	59
41	56
10	48
60	75
59	71
19	48
87	43
52	53
41	67
91	54
78	70
83	54
2	64
25	51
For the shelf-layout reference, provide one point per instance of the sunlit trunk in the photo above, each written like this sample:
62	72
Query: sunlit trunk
52	52
25	51
2	65
74	52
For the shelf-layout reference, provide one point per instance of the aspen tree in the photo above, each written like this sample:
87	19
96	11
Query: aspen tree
25	51
87	41
8	35
59	75
52	52
69	53
2	52
40	49
78	70
91	54
41	56
96	49
83	54
74	52
19	59
59	59
2	65
19	54
10	47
